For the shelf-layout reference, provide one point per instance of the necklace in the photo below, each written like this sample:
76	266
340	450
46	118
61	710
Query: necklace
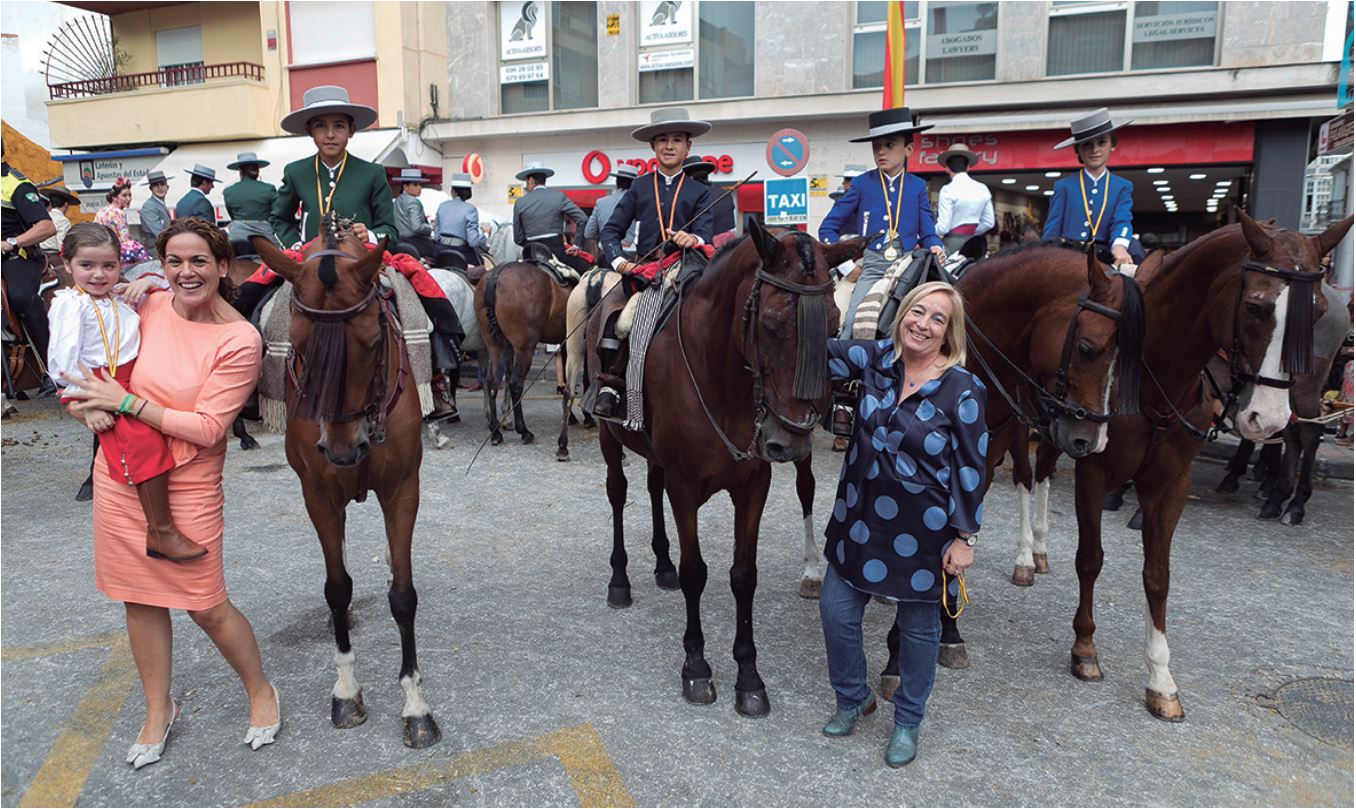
666	231
1087	211
326	203
111	350
891	214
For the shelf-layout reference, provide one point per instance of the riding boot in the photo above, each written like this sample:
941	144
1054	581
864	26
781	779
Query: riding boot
163	540
442	405
612	382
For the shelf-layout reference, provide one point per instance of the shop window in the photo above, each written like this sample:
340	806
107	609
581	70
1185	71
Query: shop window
1105	37
529	81
719	66
962	41
868	44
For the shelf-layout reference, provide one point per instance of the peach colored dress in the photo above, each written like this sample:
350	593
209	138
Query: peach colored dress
202	373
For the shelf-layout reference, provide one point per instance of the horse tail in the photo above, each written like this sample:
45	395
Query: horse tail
491	284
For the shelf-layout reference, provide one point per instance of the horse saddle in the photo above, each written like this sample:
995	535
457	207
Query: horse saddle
539	254
876	313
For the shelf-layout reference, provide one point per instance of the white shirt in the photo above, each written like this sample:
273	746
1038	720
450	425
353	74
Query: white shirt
63	225
76	338
964	201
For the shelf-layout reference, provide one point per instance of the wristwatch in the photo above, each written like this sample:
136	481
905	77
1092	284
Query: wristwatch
13	242
968	539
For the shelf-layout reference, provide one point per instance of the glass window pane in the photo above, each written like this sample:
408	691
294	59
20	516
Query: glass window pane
574	54
665	85
868	58
531	96
1086	43
1180	33
870	12
725	49
953	56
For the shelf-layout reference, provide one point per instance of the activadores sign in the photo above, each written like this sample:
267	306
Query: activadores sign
786	201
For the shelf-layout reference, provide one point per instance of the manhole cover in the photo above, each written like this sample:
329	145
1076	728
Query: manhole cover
1319	706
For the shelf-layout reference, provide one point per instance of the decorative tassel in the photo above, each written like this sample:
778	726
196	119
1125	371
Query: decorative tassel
1130	337
324	372
1297	348
812	349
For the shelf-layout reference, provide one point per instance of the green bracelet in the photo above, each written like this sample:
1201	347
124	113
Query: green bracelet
126	403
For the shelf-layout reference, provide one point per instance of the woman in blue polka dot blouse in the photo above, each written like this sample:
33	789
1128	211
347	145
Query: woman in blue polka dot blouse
909	488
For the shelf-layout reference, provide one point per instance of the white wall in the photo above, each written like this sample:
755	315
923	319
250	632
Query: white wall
26	28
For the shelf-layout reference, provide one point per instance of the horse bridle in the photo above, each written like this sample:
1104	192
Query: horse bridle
810	297
381	393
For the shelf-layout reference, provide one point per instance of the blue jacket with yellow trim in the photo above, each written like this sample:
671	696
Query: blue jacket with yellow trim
862	210
1068	220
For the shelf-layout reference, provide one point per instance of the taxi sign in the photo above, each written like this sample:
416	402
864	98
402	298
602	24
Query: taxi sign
786	201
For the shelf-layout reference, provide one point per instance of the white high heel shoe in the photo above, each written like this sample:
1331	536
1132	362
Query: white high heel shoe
139	755
257	737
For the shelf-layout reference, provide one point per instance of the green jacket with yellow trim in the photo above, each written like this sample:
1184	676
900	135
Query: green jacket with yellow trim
362	194
250	199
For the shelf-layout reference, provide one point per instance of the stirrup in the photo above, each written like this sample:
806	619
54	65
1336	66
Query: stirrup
608	403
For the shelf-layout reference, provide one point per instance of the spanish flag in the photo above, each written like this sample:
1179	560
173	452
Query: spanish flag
893	96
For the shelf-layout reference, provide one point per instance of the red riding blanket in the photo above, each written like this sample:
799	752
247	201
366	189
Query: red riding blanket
408	266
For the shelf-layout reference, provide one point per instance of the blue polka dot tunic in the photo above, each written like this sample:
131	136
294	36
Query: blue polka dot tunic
912	475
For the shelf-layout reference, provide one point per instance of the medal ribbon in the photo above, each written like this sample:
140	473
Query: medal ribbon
892	216
110	352
665	231
325	202
1087	211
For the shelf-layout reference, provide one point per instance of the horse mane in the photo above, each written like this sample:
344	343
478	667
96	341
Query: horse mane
329	275
990	266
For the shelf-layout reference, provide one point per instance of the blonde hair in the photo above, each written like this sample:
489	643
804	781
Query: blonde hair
953	342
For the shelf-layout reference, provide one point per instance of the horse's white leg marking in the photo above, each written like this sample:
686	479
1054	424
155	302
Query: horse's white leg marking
1268	409
1156	652
1040	520
346	687
813	556
1103	428
1024	538
414	702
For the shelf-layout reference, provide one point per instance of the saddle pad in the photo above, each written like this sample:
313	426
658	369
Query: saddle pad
648	309
277	343
867	318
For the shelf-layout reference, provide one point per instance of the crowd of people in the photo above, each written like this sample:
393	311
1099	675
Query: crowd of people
160	367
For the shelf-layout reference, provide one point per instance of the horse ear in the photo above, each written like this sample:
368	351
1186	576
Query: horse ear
275	259
369	265
1099	283
1330	238
1258	240
845	250
765	243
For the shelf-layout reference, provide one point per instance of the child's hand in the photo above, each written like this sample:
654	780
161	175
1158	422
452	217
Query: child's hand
134	292
98	421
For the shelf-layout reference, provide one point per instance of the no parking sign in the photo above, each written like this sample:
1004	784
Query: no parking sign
788	150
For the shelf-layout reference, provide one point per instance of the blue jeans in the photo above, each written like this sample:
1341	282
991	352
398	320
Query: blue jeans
920	632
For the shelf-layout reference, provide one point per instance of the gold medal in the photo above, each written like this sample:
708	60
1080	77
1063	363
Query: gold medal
891	253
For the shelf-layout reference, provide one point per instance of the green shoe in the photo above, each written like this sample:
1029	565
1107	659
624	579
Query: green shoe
840	724
903	746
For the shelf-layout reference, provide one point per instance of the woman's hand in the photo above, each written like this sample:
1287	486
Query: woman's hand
98	421
958	558
95	392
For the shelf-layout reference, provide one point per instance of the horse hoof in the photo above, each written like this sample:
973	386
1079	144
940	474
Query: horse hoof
666	579
953	656
1169	709
1023	575
496	440
1227	486
889	684
248	443
86	492
809	588
1136	521
1113	501
563	455
1086	669
529	438
1292	517
699	691
348	713
421	731
572	421
1042	562
753	704
618	598
1269	512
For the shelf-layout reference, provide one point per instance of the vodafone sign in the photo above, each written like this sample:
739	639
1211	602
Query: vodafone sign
597	165
594	166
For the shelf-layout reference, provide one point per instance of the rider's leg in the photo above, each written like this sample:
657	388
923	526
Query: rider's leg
22	278
248	295
873	269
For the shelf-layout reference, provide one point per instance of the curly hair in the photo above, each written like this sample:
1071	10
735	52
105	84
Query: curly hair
217	242
119	186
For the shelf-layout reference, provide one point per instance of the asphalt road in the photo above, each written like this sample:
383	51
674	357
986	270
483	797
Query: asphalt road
546	696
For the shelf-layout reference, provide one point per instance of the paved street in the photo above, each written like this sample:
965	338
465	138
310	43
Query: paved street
546	696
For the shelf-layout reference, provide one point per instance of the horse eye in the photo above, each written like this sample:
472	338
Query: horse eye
1255	310
1085	350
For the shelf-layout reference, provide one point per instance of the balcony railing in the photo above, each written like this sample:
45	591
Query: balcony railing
168	77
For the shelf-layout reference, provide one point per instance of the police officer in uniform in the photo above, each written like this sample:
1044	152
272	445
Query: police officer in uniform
251	199
1093	205
887	200
155	215
195	202
24	225
457	222
539	215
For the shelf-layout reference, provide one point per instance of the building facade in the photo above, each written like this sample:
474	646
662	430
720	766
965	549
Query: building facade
1225	96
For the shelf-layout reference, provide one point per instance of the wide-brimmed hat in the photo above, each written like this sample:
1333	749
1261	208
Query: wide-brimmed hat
460	180
958	150
157	176
327	99
693	164
890	122
535	167
624	171
854	170
411	176
199	170
836	194
56	194
1090	126
670	119
246	159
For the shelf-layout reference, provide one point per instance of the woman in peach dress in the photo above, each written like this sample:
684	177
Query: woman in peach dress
199	362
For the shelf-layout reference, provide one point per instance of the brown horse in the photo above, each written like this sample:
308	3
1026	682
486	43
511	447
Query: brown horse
354	423
518	306
737	381
1230	289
